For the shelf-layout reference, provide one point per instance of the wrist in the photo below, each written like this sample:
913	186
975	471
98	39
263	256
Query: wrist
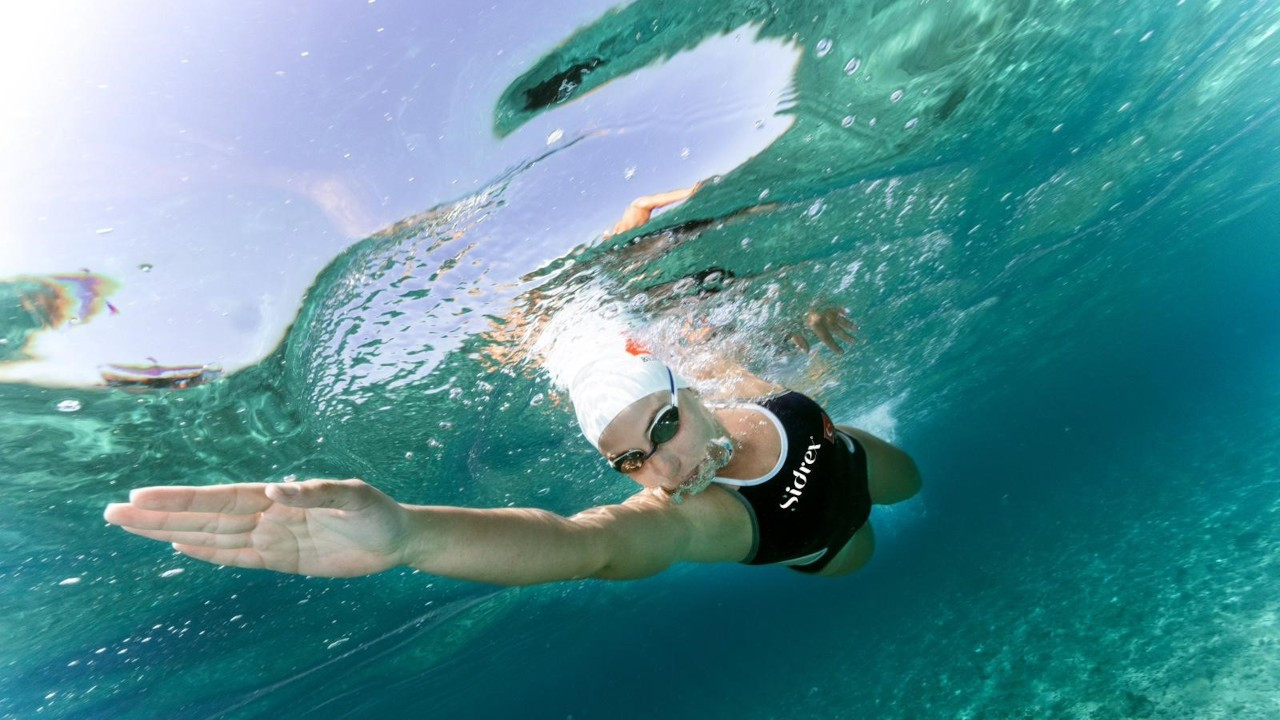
414	542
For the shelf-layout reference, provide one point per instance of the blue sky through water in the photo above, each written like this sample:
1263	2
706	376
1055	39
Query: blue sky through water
212	159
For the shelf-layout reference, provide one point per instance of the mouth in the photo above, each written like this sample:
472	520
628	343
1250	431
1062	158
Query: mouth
719	453
687	482
695	482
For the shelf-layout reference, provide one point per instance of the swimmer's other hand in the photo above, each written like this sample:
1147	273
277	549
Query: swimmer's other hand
831	325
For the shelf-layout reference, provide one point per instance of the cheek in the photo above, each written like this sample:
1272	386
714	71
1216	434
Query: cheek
654	473
692	439
697	430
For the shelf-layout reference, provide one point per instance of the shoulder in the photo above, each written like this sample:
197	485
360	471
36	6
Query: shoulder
752	386
791	399
706	510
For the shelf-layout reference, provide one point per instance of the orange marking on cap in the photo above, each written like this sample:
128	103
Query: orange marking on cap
635	347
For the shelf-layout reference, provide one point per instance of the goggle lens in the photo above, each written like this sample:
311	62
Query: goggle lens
664	428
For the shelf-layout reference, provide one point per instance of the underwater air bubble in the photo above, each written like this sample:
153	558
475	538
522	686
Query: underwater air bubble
848	120
555	136
824	47
145	267
896	96
70	581
852	66
911	123
69	406
171	573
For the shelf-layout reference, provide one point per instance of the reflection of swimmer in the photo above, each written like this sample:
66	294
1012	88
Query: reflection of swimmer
765	482
510	336
831	325
641	209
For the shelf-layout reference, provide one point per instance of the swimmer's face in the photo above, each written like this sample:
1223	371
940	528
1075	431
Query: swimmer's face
675	463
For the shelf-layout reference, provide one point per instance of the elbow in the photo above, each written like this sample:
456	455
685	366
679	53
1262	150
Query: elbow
617	557
624	572
632	565
609	563
644	203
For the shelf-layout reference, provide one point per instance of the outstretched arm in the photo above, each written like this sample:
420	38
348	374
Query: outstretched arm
343	528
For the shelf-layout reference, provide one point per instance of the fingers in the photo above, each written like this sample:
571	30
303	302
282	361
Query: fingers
130	516
836	330
844	326
800	341
210	540
825	336
239	499
840	319
831	326
232	557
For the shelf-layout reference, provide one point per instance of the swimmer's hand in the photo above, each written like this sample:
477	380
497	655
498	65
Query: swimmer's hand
641	209
328	528
830	325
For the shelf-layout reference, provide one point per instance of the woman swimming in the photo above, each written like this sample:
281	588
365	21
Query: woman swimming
772	481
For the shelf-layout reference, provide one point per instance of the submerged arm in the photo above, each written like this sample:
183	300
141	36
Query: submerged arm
638	538
343	528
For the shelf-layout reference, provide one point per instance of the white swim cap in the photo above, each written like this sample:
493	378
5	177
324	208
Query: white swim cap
605	386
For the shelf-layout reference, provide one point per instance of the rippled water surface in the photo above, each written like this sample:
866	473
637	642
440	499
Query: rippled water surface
1055	225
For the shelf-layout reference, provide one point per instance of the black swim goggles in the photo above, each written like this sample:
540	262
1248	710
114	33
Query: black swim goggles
665	425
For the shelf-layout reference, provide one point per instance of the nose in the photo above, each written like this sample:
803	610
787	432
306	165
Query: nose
664	467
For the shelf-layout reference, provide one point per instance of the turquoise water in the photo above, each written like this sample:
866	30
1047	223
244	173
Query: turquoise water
1058	238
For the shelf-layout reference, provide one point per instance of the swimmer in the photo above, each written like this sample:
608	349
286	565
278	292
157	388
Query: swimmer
769	482
642	208
830	325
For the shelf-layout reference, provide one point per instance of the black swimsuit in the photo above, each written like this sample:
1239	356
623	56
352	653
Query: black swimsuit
816	498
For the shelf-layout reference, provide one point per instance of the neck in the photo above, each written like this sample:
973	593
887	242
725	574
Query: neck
756	443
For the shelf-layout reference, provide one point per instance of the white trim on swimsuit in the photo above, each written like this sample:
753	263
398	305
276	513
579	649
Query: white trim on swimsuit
782	456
